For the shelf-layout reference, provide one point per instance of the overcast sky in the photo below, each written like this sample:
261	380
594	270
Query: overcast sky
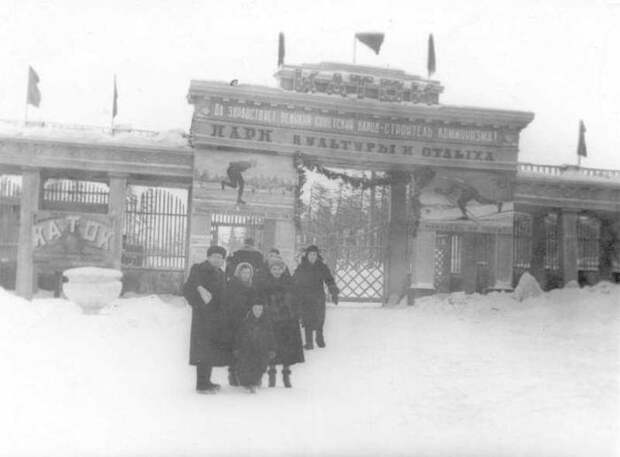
559	59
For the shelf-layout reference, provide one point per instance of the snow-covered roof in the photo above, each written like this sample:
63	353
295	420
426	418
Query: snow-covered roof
92	134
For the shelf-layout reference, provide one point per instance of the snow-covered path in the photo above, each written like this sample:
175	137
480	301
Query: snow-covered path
454	376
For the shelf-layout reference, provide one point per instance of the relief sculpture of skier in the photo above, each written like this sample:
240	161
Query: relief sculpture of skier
235	177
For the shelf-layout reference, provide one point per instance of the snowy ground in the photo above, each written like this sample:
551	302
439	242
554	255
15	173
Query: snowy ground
452	376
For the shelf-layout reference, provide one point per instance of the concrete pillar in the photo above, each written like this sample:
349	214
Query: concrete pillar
503	261
539	248
116	210
423	264
397	249
25	281
569	248
468	262
269	234
284	240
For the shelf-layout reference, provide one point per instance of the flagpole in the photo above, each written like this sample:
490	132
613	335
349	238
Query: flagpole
112	118
27	91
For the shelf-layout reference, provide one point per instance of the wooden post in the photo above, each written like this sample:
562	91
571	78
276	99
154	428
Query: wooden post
116	210
25	281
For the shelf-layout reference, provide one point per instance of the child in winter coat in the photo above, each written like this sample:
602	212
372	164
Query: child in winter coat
254	347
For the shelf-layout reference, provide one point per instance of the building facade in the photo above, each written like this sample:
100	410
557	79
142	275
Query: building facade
461	213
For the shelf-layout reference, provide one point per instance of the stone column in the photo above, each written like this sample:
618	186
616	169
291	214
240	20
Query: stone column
423	264
199	238
503	261
25	281
116	210
397	249
569	247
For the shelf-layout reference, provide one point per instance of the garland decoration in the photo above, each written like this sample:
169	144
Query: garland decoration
419	179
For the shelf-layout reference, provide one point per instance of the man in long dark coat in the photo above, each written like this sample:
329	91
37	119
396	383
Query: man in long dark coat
310	279
210	341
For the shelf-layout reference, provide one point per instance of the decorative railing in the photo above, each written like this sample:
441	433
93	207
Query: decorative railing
568	171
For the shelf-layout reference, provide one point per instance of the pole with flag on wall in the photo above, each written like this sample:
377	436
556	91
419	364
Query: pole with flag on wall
114	105
582	151
430	58
33	94
373	40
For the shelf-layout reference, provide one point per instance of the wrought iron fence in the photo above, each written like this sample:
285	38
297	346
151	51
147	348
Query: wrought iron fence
10	193
588	242
76	195
155	228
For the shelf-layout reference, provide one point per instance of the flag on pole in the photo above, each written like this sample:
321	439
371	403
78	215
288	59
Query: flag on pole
115	100
280	49
372	40
34	94
430	59
581	146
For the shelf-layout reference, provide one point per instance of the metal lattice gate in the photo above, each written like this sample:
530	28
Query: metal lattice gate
357	261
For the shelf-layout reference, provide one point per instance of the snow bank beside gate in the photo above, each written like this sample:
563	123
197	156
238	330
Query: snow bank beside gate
457	375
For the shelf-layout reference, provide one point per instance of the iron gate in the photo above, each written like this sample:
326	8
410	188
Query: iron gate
10	193
356	259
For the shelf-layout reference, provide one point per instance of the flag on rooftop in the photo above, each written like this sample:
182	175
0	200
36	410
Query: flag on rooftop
372	40
34	94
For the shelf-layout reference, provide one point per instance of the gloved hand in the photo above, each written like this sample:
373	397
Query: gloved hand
272	355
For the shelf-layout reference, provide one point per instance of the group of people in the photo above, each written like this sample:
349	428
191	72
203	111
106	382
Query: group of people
246	313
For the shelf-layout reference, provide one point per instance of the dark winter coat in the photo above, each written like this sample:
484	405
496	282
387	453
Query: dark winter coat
253	343
277	294
310	280
238	300
246	254
208	319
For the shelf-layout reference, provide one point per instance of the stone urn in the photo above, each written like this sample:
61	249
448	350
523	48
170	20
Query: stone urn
92	288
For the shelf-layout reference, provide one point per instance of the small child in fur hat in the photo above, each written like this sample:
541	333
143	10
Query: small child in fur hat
254	347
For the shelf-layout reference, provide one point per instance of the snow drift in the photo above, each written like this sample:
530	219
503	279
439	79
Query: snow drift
456	375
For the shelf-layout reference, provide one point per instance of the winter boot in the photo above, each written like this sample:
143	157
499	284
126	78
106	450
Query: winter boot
286	377
272	376
309	344
320	341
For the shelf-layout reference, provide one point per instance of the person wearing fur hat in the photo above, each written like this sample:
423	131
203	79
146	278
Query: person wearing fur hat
276	290
203	291
254	347
310	279
239	296
248	253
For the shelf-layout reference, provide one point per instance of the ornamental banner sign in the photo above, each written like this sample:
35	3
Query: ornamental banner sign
72	238
353	124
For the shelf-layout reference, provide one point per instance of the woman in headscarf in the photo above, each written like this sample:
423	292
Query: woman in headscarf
239	296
